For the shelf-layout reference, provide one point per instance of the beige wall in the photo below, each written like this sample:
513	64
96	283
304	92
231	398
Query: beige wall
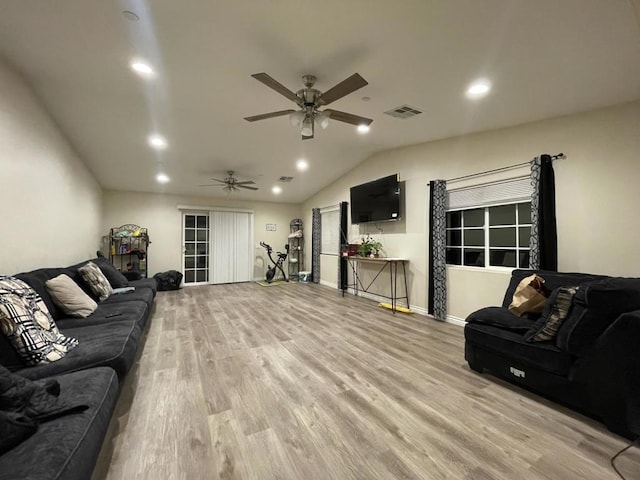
160	214
597	189
50	204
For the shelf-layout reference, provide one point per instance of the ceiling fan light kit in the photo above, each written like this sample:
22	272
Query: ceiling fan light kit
310	100
231	183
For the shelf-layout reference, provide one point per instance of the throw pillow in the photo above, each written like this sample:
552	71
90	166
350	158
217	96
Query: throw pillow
529	297
114	276
28	326
96	281
556	312
67	295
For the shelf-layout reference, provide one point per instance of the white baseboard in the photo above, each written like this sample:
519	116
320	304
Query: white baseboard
456	320
377	298
329	284
415	309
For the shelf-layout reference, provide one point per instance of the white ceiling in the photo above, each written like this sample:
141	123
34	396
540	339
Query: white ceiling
545	58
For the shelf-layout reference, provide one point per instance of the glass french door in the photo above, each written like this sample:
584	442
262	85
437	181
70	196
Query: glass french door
195	252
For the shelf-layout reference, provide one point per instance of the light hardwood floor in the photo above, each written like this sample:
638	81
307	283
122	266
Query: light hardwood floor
295	382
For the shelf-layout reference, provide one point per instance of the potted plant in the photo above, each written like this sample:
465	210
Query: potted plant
369	247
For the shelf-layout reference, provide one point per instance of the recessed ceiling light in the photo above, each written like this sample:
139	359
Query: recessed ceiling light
363	129
142	68
478	89
162	178
302	165
366	99
158	142
276	190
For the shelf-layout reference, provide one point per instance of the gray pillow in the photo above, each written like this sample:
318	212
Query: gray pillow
95	279
67	295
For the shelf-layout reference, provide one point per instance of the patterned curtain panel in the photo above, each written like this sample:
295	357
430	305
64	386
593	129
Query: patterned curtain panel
316	238
342	262
437	252
544	237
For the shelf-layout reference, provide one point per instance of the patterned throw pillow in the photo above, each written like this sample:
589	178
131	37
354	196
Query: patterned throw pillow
546	328
95	279
27	324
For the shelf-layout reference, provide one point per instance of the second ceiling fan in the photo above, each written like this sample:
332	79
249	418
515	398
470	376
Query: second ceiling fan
310	100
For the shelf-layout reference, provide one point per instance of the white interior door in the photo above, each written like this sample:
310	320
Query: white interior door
231	246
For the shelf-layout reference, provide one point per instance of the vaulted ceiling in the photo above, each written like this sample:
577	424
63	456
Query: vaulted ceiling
544	58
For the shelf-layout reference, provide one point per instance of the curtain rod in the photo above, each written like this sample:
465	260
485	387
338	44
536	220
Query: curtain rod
502	169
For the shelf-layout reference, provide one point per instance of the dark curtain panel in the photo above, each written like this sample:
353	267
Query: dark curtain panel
437	293
316	238
544	236
342	262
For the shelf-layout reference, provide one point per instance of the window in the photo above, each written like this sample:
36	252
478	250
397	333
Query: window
494	236
330	231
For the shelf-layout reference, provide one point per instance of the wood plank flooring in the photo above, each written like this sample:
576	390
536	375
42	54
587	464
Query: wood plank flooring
295	382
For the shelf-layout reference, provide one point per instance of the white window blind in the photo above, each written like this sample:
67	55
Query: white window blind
495	193
330	231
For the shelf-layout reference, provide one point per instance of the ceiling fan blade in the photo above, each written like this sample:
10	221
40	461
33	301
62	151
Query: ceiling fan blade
351	84
277	86
246	182
347	117
211	185
247	187
268	115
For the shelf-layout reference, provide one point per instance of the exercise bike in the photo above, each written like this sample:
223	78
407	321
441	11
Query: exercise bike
271	271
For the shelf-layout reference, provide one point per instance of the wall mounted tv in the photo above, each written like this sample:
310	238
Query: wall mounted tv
376	201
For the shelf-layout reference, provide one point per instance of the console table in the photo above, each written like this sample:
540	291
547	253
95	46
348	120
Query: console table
382	263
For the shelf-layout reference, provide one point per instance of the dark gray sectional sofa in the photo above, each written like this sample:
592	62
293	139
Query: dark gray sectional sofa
592	363
91	374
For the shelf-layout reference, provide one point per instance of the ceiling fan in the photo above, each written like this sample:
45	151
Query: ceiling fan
231	183
311	100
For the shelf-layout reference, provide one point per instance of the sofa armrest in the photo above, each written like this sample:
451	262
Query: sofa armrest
612	373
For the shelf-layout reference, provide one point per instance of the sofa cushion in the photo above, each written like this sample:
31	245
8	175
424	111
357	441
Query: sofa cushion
596	306
27	324
145	283
512	344
112	344
555	312
138	295
15	428
67	447
500	317
552	280
109	312
95	279
71	299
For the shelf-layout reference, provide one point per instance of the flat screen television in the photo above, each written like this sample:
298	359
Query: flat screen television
376	201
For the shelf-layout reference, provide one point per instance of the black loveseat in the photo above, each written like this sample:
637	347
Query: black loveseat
592	364
91	374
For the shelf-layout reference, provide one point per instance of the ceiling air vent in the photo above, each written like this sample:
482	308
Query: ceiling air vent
285	179
404	111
